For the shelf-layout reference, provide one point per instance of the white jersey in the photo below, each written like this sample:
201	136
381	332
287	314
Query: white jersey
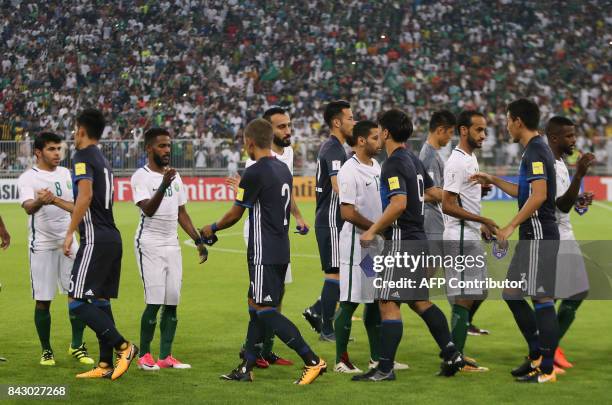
359	185
47	226
286	158
161	228
563	219
457	171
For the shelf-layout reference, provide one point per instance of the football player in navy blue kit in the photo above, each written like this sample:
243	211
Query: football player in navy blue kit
405	187
97	266
265	189
328	221
535	256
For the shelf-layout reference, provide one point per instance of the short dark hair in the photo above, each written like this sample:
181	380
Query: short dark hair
333	109
361	129
442	118
152	133
397	123
260	131
42	139
93	122
464	119
267	115
555	123
527	111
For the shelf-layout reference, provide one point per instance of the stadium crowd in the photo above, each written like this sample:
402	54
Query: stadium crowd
205	68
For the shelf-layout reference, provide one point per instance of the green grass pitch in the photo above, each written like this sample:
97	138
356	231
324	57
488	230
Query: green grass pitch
213	316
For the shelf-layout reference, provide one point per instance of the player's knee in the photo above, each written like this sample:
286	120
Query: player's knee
43	305
419	306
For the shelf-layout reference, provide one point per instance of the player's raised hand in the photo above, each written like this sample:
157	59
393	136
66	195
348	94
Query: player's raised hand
490	226
366	239
202	252
584	163
482	178
45	196
169	176
68	244
233	181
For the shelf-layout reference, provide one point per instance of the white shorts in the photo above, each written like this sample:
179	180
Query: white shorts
288	277
49	271
355	286
161	271
470	245
571	278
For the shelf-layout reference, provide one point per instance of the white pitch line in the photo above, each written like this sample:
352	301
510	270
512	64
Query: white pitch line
189	242
602	205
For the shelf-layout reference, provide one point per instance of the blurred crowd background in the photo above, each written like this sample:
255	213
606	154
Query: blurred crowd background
205	68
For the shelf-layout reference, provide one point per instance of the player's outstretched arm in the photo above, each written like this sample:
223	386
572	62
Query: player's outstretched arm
451	207
227	221
297	214
507	187
63	204
5	238
185	222
433	195
396	206
567	200
533	203
81	205
350	214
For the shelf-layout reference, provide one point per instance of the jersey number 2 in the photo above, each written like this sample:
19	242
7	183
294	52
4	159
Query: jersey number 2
286	192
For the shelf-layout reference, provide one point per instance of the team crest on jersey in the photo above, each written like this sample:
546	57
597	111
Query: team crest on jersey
79	169
393	183
176	187
69	185
336	164
537	168
239	194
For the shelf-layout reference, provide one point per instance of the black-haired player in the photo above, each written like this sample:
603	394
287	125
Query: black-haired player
573	285
328	221
265	189
535	256
405	184
97	266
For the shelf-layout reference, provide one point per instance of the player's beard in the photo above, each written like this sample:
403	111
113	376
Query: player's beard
473	144
283	143
159	161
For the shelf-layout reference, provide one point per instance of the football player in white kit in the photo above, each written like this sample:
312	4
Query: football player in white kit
161	196
360	207
572	283
45	193
464	224
282	150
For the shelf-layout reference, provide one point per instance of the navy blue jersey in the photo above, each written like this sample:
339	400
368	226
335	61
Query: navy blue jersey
98	225
265	189
538	162
403	173
329	161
